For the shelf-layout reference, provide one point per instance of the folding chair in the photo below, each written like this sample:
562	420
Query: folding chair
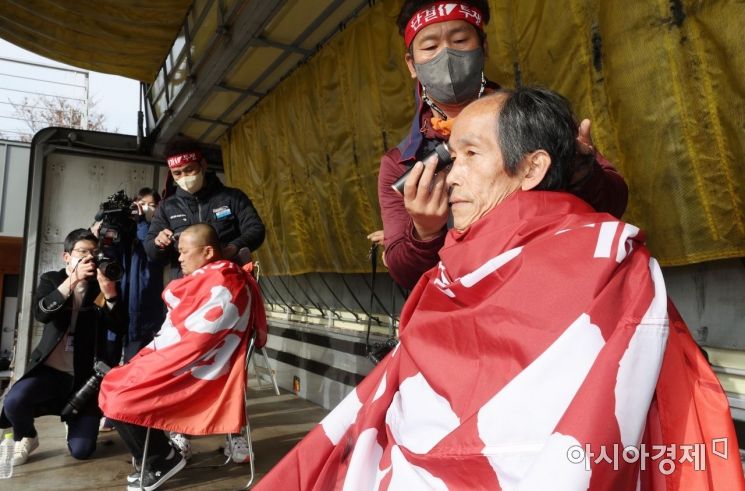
265	371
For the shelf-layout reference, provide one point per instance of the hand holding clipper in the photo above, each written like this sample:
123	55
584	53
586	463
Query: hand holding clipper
443	160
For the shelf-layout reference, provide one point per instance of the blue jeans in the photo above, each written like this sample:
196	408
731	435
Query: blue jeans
46	386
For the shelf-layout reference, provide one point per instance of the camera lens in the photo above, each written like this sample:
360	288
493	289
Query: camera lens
111	269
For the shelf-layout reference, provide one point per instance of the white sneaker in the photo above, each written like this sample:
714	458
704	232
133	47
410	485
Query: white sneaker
237	448
183	444
23	449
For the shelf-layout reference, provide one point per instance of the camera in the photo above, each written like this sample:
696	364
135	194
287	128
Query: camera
378	351
108	266
86	392
443	160
116	233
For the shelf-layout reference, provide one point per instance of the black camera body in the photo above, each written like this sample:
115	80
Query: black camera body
78	401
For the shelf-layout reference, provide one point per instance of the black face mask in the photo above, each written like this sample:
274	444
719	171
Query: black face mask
452	77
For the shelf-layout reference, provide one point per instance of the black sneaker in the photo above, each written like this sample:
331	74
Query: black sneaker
158	473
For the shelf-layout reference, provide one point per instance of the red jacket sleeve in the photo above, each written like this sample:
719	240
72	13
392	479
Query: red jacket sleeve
406	257
604	189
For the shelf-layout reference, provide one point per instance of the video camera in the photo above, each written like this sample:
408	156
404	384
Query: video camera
86	392
115	234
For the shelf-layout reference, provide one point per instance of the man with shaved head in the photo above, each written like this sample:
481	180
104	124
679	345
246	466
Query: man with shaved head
190	378
198	246
540	353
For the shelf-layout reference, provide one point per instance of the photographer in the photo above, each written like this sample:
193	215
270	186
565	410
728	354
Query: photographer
76	304
202	198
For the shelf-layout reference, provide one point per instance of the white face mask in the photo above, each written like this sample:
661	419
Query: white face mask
148	212
191	184
74	261
72	264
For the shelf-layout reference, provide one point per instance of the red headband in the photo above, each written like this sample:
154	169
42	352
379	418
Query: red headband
442	12
184	158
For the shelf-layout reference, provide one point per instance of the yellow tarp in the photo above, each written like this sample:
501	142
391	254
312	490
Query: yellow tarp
661	80
128	38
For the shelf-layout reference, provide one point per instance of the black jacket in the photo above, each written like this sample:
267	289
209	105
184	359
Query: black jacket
90	329
227	209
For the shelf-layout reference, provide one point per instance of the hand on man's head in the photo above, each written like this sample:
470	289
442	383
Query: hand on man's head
585	160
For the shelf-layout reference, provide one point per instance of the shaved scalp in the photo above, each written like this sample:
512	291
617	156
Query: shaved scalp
203	234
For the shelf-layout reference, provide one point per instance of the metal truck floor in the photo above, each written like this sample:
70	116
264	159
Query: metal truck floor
277	423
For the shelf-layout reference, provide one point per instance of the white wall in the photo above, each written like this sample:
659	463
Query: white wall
14	165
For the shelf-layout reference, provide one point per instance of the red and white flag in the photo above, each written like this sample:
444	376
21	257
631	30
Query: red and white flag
190	378
540	354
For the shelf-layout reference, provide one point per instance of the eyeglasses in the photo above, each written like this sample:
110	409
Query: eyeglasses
85	252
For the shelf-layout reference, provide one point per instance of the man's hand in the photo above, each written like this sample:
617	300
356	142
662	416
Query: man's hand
585	154
164	238
84	270
377	237
229	251
426	199
108	287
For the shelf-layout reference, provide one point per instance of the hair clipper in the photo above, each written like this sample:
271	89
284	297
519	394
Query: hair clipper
443	160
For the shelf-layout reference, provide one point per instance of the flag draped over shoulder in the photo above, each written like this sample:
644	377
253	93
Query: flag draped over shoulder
540	354
190	379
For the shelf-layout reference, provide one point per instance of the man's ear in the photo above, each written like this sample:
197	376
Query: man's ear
409	59
66	257
209	253
535	167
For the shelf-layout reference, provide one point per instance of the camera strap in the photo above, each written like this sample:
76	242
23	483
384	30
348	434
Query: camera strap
374	267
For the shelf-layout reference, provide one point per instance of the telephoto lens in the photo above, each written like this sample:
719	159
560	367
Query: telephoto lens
81	397
86	392
443	160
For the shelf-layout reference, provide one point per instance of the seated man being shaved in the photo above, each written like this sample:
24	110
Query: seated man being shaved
190	378
540	353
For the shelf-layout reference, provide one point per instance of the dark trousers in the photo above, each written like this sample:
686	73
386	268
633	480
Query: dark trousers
133	437
134	346
48	387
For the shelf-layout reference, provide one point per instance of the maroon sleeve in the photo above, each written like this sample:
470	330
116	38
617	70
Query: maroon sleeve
604	188
406	257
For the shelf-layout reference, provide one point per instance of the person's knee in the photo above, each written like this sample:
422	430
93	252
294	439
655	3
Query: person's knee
81	448
14	403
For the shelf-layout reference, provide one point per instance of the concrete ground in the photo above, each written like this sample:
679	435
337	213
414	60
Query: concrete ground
277	423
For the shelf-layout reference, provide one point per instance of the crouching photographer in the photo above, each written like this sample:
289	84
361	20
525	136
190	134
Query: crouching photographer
76	304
